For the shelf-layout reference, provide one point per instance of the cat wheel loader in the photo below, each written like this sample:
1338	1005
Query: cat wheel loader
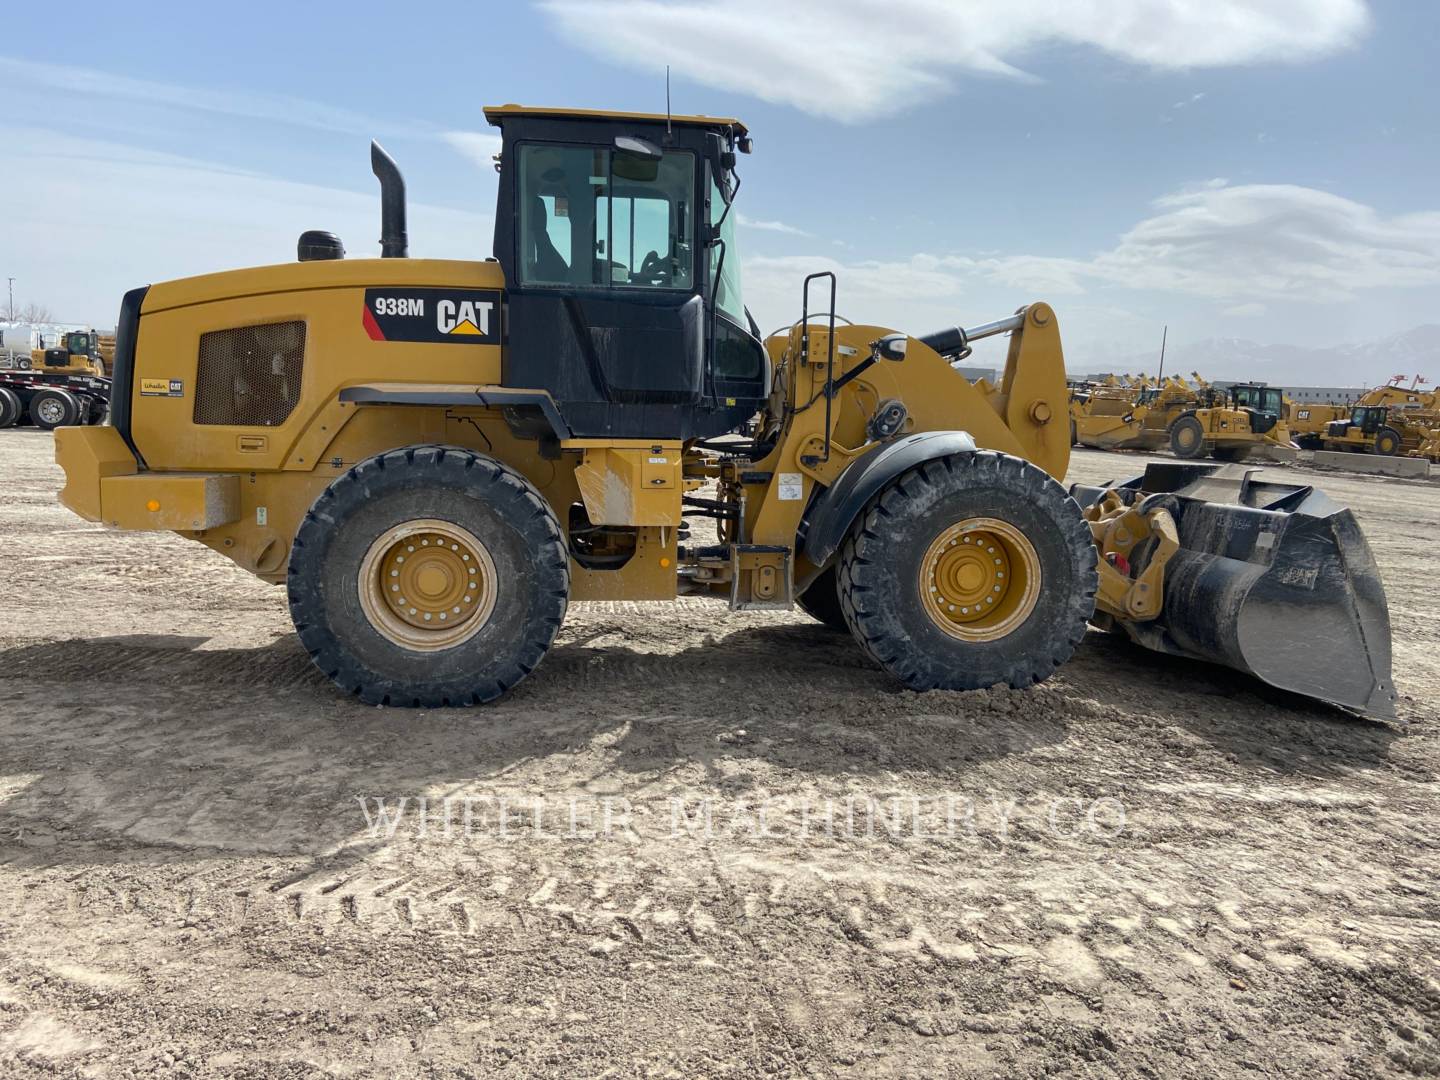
436	457
1367	429
1229	423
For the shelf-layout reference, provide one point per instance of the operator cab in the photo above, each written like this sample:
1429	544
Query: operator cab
1368	418
617	238
1264	404
73	344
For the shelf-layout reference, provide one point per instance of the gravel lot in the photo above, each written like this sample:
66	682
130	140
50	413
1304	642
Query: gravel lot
1145	867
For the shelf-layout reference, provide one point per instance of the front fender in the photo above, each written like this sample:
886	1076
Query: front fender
828	519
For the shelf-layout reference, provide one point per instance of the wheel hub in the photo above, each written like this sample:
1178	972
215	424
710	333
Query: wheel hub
980	579
427	584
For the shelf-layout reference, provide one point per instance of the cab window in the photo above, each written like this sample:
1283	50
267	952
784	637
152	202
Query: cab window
727	289
603	218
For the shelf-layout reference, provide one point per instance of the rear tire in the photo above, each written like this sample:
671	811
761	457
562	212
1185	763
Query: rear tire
1387	442
488	578
10	407
1187	438
915	535
821	601
50	409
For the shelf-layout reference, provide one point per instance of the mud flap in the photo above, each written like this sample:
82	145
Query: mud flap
1271	579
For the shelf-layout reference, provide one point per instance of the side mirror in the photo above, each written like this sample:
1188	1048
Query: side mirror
891	347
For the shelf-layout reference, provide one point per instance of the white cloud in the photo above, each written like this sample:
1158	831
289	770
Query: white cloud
770	226
1238	246
141	216
479	146
849	60
253	105
1252	241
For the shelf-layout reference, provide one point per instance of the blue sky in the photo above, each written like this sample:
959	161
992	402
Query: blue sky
1263	169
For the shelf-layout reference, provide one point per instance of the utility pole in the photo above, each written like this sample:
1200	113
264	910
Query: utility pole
10	311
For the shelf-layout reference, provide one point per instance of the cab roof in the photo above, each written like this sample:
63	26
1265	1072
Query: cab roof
496	113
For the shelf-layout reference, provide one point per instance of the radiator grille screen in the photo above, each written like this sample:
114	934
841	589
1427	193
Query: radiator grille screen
249	375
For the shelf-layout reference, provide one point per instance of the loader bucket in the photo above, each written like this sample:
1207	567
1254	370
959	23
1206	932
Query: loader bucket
1272	579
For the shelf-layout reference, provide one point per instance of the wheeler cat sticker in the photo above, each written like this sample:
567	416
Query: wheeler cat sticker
458	316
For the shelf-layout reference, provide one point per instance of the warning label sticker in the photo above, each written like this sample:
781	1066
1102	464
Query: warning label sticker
791	486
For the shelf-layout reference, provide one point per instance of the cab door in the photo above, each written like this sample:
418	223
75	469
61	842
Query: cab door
604	303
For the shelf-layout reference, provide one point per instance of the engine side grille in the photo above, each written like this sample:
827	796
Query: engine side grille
249	375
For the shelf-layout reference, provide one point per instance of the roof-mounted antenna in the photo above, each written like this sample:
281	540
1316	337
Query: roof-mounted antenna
668	132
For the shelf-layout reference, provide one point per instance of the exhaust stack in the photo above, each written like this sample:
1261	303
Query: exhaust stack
393	241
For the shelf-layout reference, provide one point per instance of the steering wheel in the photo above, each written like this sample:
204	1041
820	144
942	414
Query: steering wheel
653	270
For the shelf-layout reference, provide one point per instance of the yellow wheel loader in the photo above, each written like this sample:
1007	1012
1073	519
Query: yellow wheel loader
1366	429
437	457
1230	423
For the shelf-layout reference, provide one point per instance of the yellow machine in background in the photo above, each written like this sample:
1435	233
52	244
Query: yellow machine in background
1386	420
1130	419
1365	429
77	352
1230	423
1429	445
437	457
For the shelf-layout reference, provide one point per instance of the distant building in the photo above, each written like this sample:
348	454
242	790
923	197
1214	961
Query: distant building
1325	395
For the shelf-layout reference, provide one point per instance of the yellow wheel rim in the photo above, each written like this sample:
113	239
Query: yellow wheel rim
1187	438
980	579
427	584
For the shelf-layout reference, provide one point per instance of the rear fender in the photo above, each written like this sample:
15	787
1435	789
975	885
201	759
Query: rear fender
828	520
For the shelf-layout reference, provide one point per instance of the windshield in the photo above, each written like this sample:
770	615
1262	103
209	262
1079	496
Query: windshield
727	289
592	216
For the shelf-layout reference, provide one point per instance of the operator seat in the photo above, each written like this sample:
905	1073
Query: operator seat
545	260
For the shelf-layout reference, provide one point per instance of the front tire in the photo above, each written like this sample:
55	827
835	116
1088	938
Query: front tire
428	576
1187	438
969	571
1387	442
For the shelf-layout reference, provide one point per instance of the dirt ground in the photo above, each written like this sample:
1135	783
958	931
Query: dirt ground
1145	867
